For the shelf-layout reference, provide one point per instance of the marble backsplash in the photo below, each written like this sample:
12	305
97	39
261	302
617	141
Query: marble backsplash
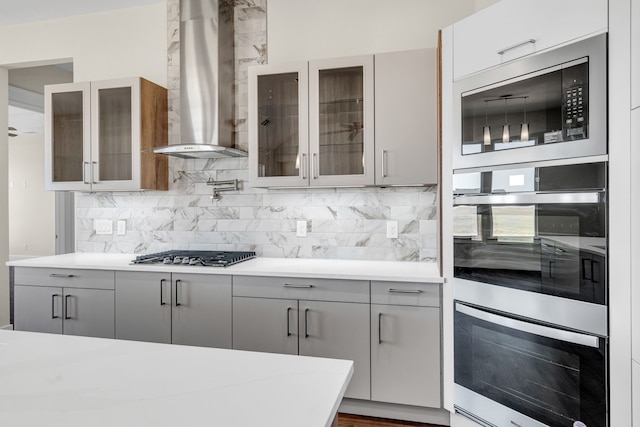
347	223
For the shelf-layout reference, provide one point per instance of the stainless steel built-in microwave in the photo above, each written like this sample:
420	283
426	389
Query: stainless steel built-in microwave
548	106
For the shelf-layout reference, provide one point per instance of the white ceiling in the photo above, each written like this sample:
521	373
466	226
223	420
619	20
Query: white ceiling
14	12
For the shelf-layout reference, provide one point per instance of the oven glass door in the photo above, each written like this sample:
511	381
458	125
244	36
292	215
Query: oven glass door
554	376
538	229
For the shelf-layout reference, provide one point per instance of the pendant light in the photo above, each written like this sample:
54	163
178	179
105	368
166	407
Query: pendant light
486	129
524	127
505	128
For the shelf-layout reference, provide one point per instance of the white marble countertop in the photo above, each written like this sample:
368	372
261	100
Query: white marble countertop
67	381
286	267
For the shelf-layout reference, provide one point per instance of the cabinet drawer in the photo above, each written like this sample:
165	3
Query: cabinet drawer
403	293
65	277
302	288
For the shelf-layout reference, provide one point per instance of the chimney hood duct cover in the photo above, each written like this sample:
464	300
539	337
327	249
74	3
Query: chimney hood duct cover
207	68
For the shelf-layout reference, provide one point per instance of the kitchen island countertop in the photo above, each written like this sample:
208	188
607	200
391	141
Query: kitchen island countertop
400	271
68	381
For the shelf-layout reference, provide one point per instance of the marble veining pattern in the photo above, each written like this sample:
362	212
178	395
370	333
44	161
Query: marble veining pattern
347	223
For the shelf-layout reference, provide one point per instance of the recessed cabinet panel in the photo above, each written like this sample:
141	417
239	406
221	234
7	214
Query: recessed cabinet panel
38	309
89	313
115	133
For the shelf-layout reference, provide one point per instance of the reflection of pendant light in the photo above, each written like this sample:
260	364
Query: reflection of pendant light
486	129
524	127
505	128
298	161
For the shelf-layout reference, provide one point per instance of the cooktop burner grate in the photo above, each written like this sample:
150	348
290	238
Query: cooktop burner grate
197	258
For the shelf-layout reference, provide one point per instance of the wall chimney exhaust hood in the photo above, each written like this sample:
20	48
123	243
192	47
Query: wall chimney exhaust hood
207	73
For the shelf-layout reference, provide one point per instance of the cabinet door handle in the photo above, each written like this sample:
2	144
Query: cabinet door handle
66	307
66	276
289	285
306	323
178	281
304	167
162	291
53	306
315	165
405	291
379	328
288	321
384	166
84	173
93	181
517	45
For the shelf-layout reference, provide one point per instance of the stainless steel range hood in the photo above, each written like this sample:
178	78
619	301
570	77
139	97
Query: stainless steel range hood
207	71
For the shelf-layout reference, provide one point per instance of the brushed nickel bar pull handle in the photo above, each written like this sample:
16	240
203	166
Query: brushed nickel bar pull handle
178	281
316	166
288	321
84	173
517	45
53	306
93	181
289	285
66	307
306	322
405	291
379	328
384	166
58	275
162	291
304	166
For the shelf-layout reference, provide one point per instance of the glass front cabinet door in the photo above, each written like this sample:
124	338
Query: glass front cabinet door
311	123
99	136
278	125
341	118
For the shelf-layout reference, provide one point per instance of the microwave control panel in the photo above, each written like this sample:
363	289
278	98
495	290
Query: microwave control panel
574	112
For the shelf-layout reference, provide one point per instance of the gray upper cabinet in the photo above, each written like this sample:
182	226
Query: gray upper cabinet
352	121
188	309
99	135
406	129
64	301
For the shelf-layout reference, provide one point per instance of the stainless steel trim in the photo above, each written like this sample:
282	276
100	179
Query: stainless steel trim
546	163
523	43
551	310
532	328
529	198
288	285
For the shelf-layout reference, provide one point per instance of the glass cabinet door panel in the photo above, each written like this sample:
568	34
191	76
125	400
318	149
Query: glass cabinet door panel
341	121
115	134
67	134
278	125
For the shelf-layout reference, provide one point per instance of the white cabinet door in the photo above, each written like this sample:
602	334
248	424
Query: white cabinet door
201	310
279	125
511	29
341	121
264	324
38	309
406	118
143	306
89	312
340	331
405	355
67	136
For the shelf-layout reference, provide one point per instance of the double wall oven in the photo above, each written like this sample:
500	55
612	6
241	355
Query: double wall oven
530	224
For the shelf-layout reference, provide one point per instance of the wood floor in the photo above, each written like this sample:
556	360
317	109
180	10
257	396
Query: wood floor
346	420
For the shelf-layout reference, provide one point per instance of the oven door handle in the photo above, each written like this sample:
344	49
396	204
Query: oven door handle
532	328
530	198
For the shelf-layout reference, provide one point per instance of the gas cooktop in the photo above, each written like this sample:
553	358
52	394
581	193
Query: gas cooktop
197	258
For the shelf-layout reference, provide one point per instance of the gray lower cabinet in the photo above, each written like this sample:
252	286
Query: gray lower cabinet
64	301
311	317
405	343
189	309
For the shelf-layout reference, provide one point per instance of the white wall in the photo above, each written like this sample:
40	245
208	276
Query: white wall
310	29
122	43
31	208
